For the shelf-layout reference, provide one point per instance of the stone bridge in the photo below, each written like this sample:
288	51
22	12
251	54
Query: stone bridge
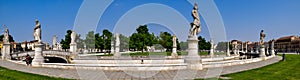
50	56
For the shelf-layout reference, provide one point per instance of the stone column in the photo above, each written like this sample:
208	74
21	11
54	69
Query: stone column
193	59
38	55
228	50
5	51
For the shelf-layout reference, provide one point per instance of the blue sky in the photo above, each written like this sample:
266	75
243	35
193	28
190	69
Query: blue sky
243	19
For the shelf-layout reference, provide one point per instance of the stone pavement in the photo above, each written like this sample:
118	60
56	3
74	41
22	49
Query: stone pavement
136	75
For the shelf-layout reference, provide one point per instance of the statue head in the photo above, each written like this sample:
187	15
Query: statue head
36	21
195	6
262	31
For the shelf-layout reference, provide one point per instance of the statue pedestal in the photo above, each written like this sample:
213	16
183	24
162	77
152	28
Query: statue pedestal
193	59
174	52
117	52
262	53
73	47
272	52
211	52
6	51
38	55
73	50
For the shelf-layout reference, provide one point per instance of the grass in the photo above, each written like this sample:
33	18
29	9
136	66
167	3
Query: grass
6	74
284	70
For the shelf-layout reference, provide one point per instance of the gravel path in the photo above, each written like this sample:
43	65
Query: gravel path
136	75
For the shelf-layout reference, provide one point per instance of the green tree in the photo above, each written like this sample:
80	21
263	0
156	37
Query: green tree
66	42
11	39
222	46
98	41
107	37
124	42
90	40
141	39
203	44
166	40
184	45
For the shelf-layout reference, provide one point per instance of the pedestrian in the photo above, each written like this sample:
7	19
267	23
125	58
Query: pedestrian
28	60
283	57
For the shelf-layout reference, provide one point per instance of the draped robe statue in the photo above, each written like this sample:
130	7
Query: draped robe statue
37	31
195	26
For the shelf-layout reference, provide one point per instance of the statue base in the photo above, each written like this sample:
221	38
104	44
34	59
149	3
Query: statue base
6	51
193	59
174	53
73	47
272	52
73	50
38	55
117	53
262	53
211	52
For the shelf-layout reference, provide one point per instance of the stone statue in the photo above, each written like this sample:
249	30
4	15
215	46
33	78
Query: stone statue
195	26
262	37
73	36
212	43
174	41
6	36
54	41
117	39
37	31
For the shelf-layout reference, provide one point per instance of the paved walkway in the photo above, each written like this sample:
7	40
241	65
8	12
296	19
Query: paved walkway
137	75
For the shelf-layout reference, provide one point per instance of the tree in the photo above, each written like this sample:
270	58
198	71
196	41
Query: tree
66	42
11	39
184	45
141	39
203	44
222	46
107	37
124	43
90	40
166	40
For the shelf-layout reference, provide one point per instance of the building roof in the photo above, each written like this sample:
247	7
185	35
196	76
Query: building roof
287	39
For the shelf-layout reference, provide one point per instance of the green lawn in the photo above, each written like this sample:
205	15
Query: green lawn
284	70
6	74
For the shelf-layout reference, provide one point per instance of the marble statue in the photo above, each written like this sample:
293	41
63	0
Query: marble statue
73	36
174	41
37	31
6	36
262	37
195	26
117	39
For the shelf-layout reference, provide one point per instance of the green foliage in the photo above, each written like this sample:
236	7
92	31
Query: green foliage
203	44
183	45
141	39
11	39
124	43
107	36
66	42
166	40
222	46
90	40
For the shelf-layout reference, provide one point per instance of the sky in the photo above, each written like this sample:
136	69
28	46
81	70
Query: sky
242	19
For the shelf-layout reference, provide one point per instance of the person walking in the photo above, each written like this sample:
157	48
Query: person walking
28	60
